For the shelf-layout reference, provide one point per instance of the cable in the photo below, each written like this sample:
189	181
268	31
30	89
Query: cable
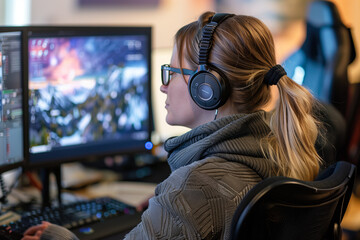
3	198
216	113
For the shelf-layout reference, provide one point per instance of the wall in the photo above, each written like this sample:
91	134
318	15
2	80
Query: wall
349	10
165	19
2	15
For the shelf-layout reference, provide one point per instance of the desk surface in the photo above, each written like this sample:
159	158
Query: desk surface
91	183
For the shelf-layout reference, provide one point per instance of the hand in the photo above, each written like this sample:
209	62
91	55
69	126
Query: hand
34	233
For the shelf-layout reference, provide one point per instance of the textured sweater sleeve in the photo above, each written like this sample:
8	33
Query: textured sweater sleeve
162	219
195	202
55	232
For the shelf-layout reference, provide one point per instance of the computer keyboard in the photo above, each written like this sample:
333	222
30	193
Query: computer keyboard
89	220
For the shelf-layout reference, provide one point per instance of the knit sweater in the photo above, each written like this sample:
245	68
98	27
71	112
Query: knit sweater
213	167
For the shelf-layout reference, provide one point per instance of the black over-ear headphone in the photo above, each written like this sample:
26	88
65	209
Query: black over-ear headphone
207	91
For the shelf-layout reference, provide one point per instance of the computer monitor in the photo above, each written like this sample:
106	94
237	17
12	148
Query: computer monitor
89	92
11	99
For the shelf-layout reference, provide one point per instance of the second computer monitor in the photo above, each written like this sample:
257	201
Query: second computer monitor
11	99
89	92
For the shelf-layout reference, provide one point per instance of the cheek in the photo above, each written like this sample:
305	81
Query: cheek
177	93
181	110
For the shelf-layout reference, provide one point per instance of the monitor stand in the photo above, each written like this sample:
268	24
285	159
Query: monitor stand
45	174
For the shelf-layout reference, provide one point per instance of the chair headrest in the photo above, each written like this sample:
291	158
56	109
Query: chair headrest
323	13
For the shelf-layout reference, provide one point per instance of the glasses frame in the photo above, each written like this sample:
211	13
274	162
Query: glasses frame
166	67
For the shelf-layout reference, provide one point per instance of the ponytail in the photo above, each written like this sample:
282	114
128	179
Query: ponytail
291	144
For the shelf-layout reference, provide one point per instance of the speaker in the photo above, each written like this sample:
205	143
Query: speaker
207	90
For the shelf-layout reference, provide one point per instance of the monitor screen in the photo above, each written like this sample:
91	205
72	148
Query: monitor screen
11	100
88	92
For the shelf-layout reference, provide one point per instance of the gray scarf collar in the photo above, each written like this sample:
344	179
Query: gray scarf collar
229	137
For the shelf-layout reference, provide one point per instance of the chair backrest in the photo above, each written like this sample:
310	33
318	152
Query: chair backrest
321	62
281	208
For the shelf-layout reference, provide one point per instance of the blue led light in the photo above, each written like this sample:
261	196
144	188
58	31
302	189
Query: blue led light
86	230
149	145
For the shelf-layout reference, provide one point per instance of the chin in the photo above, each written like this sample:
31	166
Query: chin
168	120
171	121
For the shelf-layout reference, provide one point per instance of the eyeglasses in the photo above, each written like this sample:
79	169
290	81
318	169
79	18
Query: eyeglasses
166	76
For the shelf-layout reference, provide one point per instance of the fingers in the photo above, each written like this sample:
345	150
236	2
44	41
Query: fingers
34	237
33	230
34	233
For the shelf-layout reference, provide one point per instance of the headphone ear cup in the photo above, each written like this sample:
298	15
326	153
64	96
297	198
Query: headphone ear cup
206	90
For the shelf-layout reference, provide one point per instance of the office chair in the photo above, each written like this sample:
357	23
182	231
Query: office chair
282	208
353	131
332	140
321	62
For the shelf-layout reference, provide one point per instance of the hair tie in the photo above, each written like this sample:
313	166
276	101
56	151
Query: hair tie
274	74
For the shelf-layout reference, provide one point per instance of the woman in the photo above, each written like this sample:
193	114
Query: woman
249	121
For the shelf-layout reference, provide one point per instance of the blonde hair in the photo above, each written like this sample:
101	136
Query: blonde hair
243	49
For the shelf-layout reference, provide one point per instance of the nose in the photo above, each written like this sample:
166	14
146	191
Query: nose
163	88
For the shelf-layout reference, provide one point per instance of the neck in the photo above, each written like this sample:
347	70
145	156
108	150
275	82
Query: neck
226	110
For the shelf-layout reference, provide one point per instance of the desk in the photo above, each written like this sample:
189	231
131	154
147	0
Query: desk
130	192
80	182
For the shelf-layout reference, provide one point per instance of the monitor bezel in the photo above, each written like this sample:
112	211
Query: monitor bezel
84	31
15	165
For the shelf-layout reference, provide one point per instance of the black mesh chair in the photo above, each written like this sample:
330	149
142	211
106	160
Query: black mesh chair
322	61
281	208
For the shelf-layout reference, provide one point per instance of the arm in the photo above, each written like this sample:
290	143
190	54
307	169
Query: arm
196	202
182	208
153	223
162	219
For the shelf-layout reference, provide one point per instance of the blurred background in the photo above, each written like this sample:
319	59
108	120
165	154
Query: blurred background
285	18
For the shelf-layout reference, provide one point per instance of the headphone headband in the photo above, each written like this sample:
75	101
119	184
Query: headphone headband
207	91
207	35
